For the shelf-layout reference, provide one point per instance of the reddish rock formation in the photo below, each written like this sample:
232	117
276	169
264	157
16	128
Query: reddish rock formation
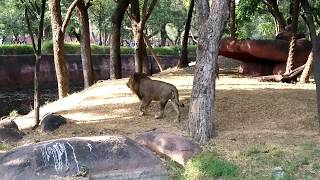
263	57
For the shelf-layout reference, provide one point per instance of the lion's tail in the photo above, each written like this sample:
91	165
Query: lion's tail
175	97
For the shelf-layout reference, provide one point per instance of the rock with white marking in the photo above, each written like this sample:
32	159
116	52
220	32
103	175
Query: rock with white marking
103	157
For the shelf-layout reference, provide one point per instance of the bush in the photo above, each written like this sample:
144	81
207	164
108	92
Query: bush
74	48
14	49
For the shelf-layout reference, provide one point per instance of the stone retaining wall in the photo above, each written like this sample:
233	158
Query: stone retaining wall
17	70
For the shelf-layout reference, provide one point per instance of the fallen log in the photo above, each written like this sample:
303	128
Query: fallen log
286	78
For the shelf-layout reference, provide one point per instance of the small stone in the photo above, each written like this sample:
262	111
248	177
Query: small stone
278	173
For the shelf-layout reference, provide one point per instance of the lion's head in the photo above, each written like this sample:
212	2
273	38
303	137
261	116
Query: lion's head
134	82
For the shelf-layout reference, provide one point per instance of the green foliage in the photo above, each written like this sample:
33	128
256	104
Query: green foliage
4	146
168	12
74	48
207	165
15	49
13	113
176	171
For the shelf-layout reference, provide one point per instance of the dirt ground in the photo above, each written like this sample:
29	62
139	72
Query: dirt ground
246	112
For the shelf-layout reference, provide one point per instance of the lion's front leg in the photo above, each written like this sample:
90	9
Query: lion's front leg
162	107
143	107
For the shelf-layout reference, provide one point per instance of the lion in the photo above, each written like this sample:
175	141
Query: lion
149	90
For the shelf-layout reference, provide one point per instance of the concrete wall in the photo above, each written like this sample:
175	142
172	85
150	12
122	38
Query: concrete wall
18	69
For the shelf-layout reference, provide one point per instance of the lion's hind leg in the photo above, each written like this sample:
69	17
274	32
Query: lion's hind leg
162	107
144	105
176	108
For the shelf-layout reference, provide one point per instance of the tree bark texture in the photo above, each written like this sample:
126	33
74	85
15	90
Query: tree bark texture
115	54
183	61
307	70
315	38
58	30
201	112
232	18
87	66
295	16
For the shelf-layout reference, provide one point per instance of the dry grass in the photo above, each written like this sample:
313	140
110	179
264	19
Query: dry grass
243	106
270	121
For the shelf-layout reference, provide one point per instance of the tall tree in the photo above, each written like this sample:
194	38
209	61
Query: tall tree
58	31
183	61
138	24
115	55
87	66
232	18
29	10
273	7
100	17
315	40
201	112
295	17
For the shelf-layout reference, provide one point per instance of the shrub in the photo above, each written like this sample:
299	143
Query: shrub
74	48
14	49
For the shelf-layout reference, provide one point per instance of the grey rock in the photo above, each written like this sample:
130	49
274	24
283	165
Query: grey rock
10	134
278	173
51	122
101	157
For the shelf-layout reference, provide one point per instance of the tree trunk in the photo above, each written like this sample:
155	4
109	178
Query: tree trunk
145	59
201	112
115	54
274	9
232	18
36	91
138	52
138	24
163	35
183	61
37	53
153	52
87	66
58	31
307	70
315	51
292	48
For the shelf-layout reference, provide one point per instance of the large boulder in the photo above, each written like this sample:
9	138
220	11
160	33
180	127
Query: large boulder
10	135
175	147
103	157
8	123
51	122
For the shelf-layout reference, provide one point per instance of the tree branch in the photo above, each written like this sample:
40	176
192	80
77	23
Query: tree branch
30	30
68	15
42	12
147	14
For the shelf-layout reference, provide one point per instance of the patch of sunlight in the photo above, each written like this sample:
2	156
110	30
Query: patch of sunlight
114	89
80	116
